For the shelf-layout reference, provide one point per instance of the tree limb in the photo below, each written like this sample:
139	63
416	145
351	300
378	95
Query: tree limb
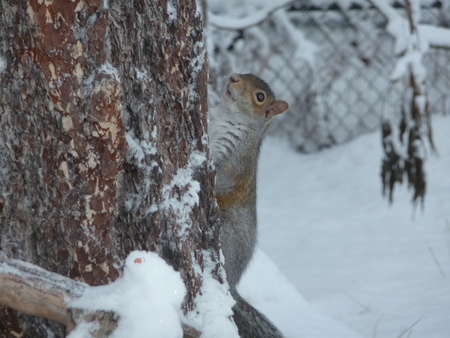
32	290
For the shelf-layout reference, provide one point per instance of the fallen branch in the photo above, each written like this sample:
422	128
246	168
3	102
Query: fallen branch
32	290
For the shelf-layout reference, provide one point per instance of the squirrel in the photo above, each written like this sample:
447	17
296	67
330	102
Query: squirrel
236	130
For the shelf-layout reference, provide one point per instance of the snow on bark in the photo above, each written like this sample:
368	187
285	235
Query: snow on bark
96	78
172	10
168	174
2	65
212	311
185	198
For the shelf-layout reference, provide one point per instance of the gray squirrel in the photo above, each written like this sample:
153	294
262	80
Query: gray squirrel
236	129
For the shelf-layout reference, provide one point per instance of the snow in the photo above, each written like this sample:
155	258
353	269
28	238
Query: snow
240	14
138	150
140	75
147	298
398	27
84	330
412	59
2	64
213	306
277	298
435	36
305	49
353	265
171	11
183	201
196	63
109	69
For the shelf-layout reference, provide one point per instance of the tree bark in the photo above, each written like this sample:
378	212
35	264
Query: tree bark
102	150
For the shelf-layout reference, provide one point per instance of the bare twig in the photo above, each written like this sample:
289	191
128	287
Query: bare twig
375	327
436	261
365	307
409	328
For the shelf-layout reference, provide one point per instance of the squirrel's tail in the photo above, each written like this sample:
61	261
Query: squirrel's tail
250	322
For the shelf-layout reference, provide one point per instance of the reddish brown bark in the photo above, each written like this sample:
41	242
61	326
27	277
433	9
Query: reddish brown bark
80	79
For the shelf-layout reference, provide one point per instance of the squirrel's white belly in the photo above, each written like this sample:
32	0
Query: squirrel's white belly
226	131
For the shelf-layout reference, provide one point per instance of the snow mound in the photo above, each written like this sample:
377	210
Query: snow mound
147	298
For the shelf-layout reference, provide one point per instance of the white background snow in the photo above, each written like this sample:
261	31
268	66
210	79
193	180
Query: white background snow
343	263
335	259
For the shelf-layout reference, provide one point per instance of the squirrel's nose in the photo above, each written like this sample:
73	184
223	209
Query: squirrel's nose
234	78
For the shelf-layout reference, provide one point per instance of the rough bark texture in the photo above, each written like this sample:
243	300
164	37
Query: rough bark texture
83	80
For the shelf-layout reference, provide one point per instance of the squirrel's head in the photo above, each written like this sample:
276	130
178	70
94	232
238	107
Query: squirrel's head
251	94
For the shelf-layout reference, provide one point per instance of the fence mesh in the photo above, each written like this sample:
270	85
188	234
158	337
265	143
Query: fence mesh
345	91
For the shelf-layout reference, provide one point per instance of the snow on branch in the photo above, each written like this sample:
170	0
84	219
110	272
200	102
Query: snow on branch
305	49
236	34
437	37
255	19
398	27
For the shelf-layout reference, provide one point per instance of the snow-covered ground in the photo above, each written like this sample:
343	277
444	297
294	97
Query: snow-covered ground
345	263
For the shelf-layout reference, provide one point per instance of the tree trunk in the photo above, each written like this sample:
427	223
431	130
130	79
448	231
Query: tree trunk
102	144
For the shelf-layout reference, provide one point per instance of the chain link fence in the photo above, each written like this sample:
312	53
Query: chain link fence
345	90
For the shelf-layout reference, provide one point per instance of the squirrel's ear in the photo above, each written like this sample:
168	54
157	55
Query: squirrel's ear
277	108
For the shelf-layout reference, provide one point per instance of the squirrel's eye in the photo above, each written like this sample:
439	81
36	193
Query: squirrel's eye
260	97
